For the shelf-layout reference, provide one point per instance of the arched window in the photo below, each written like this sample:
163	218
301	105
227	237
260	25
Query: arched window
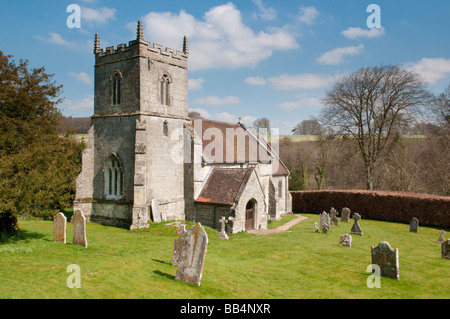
113	178
165	129
164	90
116	88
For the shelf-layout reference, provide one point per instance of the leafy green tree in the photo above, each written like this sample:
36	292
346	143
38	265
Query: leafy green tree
38	164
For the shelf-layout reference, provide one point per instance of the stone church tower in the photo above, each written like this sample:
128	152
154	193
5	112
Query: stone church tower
141	101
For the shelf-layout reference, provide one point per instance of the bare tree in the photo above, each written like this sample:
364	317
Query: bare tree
262	123
370	105
307	127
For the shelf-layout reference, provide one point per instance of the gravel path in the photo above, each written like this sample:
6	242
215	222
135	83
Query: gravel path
281	229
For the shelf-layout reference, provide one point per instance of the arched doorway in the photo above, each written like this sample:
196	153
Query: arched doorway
250	210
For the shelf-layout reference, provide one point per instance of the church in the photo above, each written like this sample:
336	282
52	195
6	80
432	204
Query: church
145	157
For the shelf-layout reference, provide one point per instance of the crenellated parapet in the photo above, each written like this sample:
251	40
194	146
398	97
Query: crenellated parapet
139	47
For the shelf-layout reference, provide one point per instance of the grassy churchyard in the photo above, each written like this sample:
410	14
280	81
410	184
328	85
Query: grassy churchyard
119	263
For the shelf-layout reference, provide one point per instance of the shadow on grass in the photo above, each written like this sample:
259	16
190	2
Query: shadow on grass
162	274
22	235
162	262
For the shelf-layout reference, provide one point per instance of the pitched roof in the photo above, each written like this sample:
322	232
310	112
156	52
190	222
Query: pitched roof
223	185
233	143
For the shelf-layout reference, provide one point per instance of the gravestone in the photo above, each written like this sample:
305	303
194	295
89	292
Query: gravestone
191	259
446	249
356	229
59	228
345	240
79	229
387	259
156	212
223	234
324	219
325	228
441	237
345	215
316	228
334	220
414	225
177	245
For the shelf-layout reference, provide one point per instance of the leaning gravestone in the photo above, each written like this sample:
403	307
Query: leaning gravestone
446	249
59	228
387	259
156	212
334	220
177	245
441	239
345	240
79	229
316	228
414	225
324	220
356	229
193	244
345	215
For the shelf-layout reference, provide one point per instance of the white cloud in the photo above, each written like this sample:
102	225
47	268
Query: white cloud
219	40
82	77
214	100
337	55
56	38
301	103
308	15
196	84
255	80
83	105
431	69
99	16
224	116
304	81
353	33
265	13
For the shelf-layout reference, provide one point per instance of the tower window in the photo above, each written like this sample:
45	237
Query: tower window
165	129
116	89
164	90
113	178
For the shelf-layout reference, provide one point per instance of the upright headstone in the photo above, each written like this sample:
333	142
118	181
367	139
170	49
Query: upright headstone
316	228
356	229
59	228
345	215
156	212
324	219
325	228
414	225
333	214
223	234
345	240
387	259
177	245
193	245
441	239
79	229
446	249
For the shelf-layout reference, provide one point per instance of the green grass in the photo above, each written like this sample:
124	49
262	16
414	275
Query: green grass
119	263
277	223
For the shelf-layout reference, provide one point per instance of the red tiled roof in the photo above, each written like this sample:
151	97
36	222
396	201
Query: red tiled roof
223	185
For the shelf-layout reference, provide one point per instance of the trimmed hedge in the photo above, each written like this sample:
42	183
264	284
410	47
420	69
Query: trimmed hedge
377	205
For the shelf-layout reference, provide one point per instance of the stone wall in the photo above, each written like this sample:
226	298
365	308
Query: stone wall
377	205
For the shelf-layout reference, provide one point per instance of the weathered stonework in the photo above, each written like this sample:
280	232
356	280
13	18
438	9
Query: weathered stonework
345	215
345	240
356	228
59	228
79	229
414	225
387	259
446	249
191	252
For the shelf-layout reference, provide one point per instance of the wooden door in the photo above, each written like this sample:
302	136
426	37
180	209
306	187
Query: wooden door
249	214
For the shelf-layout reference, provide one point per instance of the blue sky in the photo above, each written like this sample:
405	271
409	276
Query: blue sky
248	59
